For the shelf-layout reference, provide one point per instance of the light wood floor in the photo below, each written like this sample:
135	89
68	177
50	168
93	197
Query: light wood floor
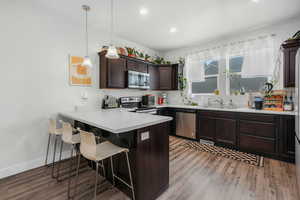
193	176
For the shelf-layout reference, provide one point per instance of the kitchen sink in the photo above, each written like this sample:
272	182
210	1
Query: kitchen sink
221	106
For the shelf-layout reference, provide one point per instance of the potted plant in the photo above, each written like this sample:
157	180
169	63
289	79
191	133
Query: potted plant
182	81
136	53
181	60
147	57
130	51
158	60
295	37
141	55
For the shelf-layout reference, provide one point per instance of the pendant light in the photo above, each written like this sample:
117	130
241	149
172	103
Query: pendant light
112	52
86	61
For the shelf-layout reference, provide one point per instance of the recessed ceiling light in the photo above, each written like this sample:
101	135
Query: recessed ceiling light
256	1
143	11
173	30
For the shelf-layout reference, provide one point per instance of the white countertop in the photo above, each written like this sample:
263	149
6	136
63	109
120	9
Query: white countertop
116	120
245	110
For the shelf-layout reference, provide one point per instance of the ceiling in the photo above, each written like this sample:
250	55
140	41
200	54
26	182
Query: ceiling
196	21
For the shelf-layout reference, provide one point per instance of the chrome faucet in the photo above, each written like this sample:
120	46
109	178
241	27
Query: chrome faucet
218	100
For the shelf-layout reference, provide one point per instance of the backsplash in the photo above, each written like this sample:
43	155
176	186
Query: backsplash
175	98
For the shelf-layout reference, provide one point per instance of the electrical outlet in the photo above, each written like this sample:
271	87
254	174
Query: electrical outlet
145	136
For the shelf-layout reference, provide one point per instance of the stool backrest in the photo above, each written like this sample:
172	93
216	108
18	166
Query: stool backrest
88	145
67	132
52	126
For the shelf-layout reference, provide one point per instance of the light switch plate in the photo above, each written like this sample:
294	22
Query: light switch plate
145	136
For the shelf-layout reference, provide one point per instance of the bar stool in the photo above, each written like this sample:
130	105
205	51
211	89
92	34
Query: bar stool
72	139
98	152
52	131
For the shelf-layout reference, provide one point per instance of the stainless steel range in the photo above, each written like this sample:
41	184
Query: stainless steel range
134	104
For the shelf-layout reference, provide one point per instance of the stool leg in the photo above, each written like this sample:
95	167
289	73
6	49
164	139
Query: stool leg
96	180
130	176
103	169
112	171
53	162
47	152
77	172
59	162
70	172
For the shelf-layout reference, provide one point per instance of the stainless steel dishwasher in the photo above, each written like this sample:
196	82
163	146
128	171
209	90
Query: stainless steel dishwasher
186	124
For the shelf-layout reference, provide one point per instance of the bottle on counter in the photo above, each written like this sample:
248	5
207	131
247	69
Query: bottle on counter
292	103
250	101
287	105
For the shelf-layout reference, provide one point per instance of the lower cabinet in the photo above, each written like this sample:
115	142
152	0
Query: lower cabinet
206	128
263	134
287	138
214	127
170	113
226	131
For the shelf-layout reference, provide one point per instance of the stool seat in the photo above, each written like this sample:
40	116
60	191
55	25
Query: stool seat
75	139
104	150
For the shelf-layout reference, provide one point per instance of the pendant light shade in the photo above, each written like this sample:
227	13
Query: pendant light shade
112	52
86	61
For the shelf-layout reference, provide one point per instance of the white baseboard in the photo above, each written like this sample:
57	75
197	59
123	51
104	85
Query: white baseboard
25	166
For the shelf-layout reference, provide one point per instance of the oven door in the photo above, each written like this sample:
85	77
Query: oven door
133	79
144	81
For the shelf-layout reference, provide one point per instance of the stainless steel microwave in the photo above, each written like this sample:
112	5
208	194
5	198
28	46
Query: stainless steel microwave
138	80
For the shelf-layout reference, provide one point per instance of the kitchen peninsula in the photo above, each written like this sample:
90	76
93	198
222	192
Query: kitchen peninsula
147	138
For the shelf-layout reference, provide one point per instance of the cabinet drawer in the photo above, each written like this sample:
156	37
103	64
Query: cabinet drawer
257	117
258	129
225	115
258	145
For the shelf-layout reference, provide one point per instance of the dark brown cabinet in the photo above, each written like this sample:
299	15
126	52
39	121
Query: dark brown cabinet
206	128
287	138
153	71
264	134
152	158
168	77
214	127
290	51
112	72
170	113
226	131
165	77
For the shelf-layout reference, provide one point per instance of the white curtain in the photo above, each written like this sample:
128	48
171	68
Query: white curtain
195	69
195	64
259	57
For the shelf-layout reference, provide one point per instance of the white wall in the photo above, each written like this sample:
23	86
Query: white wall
282	30
34	47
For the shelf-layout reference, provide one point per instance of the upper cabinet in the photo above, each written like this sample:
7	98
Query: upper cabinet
290	51
153	71
168	78
113	73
